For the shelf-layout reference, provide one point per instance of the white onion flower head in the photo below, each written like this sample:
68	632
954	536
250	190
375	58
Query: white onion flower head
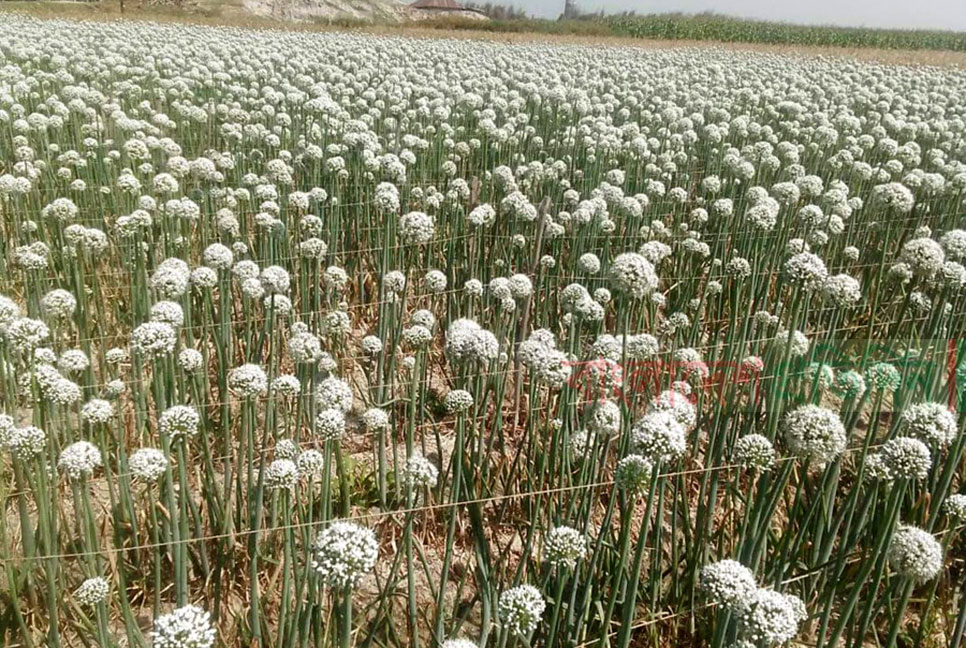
371	344
186	627
521	608
459	643
6	426
602	296
915	554
633	275
343	553
374	419
424	318
286	385
754	451
770	617
26	334
416	228
304	347
932	423
458	401
79	460
798	345
883	376
248	381
807	270
203	278
581	443
588	263
313	248
58	304
387	198
171	278
762	215
73	361
955	507
9	311
333	393
728	583
310	463
275	280
842	290
688	359
435	282
335	278
659	436
420	471
168	312
147	464
218	257
281	474
394	282
821	374
923	256
482	215
520	286
516	205
850	383
874	469
179	421
814	433
190	360
63	392
893	196
540	355
26	443
45	356
678	405
253	289
642	346
473	288
92	591
279	305
336	324
564	546
285	449
900	273
416	336
97	411
605	418
953	276
154	339
906	458
330	424
738	268
467	341
655	251
953	243
633	472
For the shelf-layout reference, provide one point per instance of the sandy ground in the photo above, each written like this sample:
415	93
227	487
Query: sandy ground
232	13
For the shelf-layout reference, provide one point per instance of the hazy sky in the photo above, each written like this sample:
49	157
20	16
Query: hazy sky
938	14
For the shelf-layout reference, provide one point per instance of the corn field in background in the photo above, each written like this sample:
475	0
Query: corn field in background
341	340
711	26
